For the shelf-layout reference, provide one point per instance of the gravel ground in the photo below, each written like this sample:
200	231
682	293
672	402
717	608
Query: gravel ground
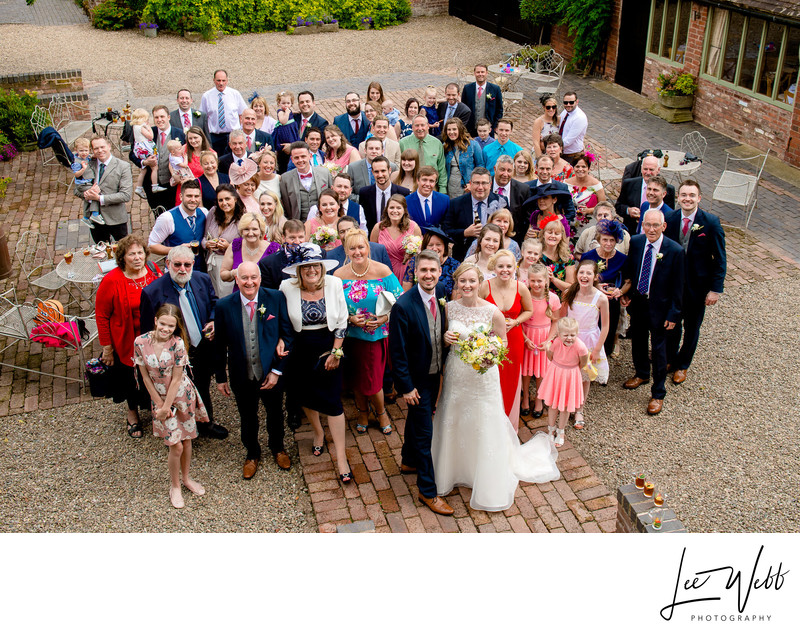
76	470
420	45
725	447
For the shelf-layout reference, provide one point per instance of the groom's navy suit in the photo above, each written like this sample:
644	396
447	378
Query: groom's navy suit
411	351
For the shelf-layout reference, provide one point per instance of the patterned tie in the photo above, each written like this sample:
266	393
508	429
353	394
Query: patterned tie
450	112
433	307
479	212
561	129
188	317
186	122
686	221
190	219
644	278
252	306
427	211
221	111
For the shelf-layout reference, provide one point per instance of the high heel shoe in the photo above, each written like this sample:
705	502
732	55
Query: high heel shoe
362	429
559	437
551	431
385	429
316	450
346	478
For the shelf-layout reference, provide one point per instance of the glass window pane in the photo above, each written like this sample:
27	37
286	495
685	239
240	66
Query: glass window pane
787	84
716	32
732	47
683	31
655	26
769	64
669	28
752	50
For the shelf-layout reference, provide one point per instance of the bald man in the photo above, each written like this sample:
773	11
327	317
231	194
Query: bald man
633	194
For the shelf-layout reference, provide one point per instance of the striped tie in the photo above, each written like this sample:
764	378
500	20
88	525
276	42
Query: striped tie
221	111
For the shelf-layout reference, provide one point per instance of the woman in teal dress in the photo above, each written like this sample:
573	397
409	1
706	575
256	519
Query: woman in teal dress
366	346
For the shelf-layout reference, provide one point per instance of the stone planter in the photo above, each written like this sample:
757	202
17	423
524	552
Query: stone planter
674	109
193	36
328	28
150	32
306	30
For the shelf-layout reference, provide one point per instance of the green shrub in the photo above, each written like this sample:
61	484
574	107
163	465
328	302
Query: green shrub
15	115
540	12
113	15
186	15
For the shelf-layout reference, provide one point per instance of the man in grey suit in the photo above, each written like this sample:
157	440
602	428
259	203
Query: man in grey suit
111	188
300	187
185	117
361	171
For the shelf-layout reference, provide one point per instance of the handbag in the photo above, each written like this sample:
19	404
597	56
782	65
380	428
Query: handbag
385	302
98	375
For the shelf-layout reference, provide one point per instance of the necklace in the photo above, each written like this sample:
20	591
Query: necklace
251	251
355	273
140	283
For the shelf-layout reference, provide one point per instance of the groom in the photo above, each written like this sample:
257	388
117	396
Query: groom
416	346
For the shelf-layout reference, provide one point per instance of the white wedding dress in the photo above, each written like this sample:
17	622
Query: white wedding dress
474	444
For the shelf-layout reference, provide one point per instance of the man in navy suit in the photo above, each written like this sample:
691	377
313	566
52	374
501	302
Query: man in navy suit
416	347
652	292
255	139
354	123
193	293
252	322
163	132
633	193
377	251
237	143
426	205
702	238
373	198
514	193
484	99
467	214
655	192
452	107
307	117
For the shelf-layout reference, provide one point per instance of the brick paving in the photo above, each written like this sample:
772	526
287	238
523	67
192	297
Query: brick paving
578	502
42	13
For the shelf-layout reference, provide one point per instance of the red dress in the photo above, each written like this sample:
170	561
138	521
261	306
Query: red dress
511	368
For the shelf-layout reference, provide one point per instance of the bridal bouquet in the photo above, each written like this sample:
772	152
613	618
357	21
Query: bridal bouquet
481	349
324	235
412	244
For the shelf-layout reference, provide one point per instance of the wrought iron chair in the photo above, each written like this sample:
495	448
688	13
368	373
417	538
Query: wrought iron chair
739	188
36	258
548	72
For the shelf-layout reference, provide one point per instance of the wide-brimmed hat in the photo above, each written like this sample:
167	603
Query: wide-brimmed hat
546	190
308	254
436	230
244	173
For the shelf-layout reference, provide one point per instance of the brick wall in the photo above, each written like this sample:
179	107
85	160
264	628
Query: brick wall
561	42
64	83
429	7
612	46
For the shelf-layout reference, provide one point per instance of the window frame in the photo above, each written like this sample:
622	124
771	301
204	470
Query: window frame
673	44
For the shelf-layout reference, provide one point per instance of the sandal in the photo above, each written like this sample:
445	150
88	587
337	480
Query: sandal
580	423
135	427
551	431
362	429
385	429
346	478
559	437
316	450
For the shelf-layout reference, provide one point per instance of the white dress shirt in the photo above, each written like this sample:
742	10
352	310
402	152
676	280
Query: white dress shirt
653	261
362	219
234	106
426	299
165	225
97	176
574	130
422	204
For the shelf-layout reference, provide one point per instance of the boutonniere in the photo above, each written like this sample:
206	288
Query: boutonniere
489	96
659	256
196	113
442	302
697	227
258	144
261	311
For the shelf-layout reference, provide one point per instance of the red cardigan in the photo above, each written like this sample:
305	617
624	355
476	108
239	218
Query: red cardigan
113	314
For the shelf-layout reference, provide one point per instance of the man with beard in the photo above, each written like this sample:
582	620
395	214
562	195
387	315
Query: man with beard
354	123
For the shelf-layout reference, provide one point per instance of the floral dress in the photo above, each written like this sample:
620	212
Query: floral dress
361	297
188	405
559	269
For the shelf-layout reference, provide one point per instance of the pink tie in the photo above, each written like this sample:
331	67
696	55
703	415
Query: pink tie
252	306
480	91
433	307
499	190
685	225
163	137
303	126
249	143
186	120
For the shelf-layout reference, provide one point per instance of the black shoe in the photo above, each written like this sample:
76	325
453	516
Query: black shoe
212	430
294	422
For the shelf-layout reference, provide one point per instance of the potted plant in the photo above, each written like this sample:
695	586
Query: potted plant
366	22
305	26
676	90
148	29
329	24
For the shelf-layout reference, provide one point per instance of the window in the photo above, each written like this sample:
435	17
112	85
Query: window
669	28
752	54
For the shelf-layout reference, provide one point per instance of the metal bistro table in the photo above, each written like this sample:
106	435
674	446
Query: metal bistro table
676	171
84	273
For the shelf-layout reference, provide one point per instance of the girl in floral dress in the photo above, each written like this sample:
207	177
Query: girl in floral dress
177	407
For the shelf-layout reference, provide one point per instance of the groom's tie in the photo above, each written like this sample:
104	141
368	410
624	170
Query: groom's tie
433	307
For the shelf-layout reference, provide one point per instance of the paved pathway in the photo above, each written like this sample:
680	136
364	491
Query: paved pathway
42	12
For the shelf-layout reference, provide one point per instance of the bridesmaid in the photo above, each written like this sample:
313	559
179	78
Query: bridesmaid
394	226
514	300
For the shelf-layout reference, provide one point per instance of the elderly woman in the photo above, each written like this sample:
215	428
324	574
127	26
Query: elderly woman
330	209
245	179
251	246
117	315
554	147
338	154
490	240
394	226
461	156
523	167
609	262
272	210
586	191
366	347
211	178
406	175
436	240
546	124
318	311
542	205
270	180
588	239
555	255
221	229
503	219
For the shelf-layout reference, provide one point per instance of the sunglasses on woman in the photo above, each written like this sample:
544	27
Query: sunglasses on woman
550	107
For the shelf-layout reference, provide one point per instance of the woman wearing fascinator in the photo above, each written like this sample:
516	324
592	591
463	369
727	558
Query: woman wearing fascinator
245	179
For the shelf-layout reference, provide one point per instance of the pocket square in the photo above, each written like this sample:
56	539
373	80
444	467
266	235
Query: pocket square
270	317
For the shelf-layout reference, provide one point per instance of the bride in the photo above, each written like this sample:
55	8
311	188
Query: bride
474	444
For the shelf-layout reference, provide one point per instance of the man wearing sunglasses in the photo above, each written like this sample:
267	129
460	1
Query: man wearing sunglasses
573	127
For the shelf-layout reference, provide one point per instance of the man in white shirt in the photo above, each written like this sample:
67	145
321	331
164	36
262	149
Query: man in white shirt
573	127
185	117
237	144
307	117
655	192
343	187
222	106
633	194
181	225
380	129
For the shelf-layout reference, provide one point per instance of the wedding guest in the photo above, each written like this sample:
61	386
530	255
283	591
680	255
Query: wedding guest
554	146
222	228
427	206
490	240
251	246
512	193
353	123
272	211
395	225
403	127
184	117
556	256
364	280
514	300
376	251
211	178
588	239
118	324
338	152
503	219
586	191
222	106
461	156
313	138
330	209
181	225
245	179
523	166
270	180
429	148
467	214
546	124
301	187
573	127
196	144
286	132
375	92
318	313
436	240
543	205
307	118
503	146
406	175
264	121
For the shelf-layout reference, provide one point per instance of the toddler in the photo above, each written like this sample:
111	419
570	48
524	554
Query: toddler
144	147
390	112
91	208
430	111
178	166
286	131
484	128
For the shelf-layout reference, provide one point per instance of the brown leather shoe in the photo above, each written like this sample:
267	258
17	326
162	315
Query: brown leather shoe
250	467
436	504
655	406
283	460
679	376
404	468
634	382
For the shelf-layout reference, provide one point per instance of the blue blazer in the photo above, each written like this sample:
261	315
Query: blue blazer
162	291
706	261
467	161
645	207
315	121
366	197
343	122
440	204
229	344
493	109
377	252
666	284
407	327
457	219
175	133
